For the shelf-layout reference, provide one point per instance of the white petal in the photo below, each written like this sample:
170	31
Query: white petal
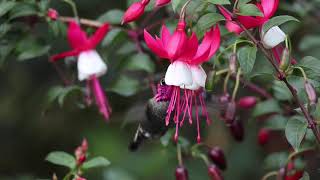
193	87
273	37
178	74
90	63
199	76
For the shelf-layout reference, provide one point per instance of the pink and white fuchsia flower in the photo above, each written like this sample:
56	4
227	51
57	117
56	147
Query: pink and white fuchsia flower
272	37
90	64
185	72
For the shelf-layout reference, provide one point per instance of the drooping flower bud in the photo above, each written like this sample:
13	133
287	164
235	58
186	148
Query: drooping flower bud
292	173
233	63
181	173
237	130
52	14
285	60
263	136
311	92
214	172
247	102
84	145
162	2
230	112
217	156
79	178
80	156
273	37
134	11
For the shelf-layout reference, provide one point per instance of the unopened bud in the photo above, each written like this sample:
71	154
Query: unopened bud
135	11
247	102
52	14
214	172
162	2
233	63
230	112
281	173
217	156
224	98
84	145
79	178
311	92
237	130
285	60
263	136
182	173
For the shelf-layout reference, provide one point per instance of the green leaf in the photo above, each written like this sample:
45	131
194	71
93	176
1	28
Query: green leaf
295	131
62	159
312	67
249	10
309	42
266	107
23	9
176	3
6	6
218	1
247	57
207	21
96	162
141	61
242	2
60	93
113	16
4	28
125	86
275	160
276	122
33	52
305	176
281	91
277	21
165	139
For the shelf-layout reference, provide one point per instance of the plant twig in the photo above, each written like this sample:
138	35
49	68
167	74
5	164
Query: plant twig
283	78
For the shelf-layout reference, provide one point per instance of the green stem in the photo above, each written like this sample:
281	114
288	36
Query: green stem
225	84
74	9
67	177
303	73
179	155
294	154
235	90
220	72
270	174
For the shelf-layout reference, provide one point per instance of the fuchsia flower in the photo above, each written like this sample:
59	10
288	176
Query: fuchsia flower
185	72
272	37
134	11
90	64
162	2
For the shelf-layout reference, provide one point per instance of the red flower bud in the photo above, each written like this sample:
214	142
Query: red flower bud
162	2
80	155
247	102
80	178
214	172
263	136
311	92
217	156
84	145
134	11
181	173
237	130
52	14
296	176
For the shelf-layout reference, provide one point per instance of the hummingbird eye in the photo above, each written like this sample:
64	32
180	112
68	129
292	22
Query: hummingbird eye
162	82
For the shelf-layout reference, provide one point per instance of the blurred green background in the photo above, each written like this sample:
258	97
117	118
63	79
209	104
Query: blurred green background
29	131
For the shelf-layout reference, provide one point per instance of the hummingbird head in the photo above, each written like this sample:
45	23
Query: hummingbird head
164	91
